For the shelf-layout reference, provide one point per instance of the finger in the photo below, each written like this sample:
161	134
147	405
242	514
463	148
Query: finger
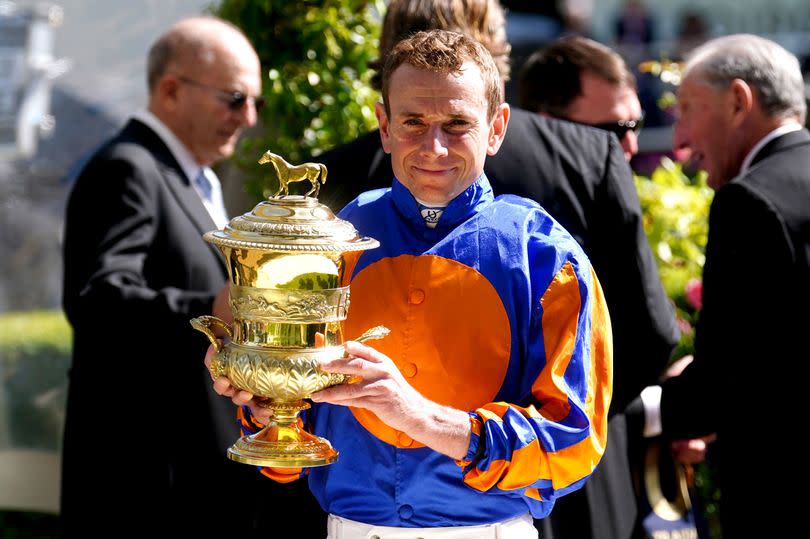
336	395
241	397
320	340
351	365
343	393
354	348
259	417
223	386
209	355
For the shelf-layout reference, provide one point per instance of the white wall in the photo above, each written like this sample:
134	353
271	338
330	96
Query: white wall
107	42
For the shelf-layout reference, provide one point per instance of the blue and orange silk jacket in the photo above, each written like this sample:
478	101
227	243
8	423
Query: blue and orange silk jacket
495	311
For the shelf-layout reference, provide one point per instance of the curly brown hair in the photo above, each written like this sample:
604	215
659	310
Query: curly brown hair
442	51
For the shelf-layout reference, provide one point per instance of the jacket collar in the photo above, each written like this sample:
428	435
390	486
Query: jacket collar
465	205
781	143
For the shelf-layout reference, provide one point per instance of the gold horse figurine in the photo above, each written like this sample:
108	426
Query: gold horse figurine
287	173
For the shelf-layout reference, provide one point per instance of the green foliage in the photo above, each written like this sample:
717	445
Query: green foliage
34	358
676	222
676	210
315	55
32	332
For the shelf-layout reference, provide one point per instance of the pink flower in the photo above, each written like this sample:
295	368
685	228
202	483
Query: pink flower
693	291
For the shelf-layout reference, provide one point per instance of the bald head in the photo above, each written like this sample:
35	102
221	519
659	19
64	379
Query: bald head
204	84
199	42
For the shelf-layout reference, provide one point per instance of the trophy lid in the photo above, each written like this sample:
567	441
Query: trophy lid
291	223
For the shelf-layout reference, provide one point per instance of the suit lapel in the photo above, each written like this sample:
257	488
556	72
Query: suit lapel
176	181
190	201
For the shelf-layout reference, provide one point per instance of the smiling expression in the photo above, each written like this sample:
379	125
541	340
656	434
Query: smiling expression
439	132
705	127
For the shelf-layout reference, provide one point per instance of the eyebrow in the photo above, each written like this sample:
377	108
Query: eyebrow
458	116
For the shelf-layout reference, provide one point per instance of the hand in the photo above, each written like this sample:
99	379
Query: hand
381	389
677	366
691	451
223	386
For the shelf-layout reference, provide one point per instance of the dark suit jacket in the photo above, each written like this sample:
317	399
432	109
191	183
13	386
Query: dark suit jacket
580	176
749	379
145	436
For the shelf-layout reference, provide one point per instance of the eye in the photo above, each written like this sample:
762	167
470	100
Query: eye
457	125
412	122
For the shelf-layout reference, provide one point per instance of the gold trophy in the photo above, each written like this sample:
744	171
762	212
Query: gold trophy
288	261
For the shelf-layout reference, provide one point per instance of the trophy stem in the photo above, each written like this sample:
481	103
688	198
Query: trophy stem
283	443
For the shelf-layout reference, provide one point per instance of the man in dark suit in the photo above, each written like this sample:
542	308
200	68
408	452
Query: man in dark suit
580	175
594	87
741	108
136	271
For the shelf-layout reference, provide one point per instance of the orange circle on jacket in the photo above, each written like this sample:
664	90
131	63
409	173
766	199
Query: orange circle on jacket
455	337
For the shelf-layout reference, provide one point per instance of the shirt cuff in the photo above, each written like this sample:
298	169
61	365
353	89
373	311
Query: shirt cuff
651	399
475	441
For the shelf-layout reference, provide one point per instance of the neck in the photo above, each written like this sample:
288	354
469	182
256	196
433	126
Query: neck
761	126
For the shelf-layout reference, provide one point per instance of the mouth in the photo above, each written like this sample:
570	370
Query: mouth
228	134
433	171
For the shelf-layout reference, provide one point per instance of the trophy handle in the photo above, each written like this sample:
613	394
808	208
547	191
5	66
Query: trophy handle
204	323
377	332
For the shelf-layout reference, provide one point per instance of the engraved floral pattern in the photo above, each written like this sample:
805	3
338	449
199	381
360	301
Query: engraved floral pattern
293	377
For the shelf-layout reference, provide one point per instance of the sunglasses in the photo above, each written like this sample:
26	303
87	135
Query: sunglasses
233	100
621	127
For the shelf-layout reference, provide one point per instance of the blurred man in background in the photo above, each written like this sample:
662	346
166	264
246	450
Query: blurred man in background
584	82
741	111
136	270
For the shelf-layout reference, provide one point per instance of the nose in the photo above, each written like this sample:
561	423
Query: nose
253	113
630	144
434	142
247	113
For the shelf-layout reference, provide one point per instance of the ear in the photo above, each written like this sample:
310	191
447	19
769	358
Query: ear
742	100
497	130
166	91
385	133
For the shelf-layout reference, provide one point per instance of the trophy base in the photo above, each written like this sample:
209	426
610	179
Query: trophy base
283	444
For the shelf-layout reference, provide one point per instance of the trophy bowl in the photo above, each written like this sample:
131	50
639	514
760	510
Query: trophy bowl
289	261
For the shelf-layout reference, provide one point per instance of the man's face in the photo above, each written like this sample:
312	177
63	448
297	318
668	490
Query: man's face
439	132
705	128
202	117
603	102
